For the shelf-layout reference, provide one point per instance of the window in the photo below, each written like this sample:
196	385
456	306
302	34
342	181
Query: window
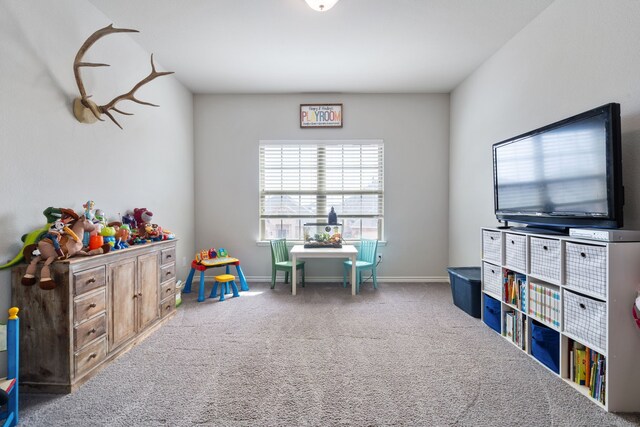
301	180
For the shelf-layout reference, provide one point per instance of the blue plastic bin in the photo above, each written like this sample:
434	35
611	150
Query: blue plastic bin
492	313
545	345
465	289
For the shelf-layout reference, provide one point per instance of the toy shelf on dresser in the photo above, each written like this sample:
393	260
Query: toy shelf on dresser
567	303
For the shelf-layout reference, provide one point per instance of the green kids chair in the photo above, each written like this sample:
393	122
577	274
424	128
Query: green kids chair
366	261
280	261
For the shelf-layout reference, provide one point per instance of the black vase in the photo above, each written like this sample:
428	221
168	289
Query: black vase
333	217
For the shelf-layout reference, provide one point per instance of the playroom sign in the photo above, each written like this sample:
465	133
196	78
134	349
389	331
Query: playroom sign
320	115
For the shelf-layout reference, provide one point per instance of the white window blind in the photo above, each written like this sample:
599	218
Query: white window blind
301	180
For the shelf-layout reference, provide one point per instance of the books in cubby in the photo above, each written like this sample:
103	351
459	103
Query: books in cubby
514	289
515	328
588	368
544	304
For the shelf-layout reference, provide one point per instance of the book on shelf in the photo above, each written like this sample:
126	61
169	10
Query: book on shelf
588	368
544	304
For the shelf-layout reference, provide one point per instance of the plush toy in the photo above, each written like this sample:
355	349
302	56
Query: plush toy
70	243
54	234
142	216
129	220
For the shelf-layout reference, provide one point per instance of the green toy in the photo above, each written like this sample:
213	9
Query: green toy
33	237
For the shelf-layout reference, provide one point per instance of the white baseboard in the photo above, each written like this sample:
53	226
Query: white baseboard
324	279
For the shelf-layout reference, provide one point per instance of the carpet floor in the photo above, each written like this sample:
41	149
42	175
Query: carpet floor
399	355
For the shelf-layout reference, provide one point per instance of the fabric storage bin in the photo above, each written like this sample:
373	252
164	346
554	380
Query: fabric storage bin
545	258
515	250
545	346
492	246
492	313
465	289
586	319
492	279
586	268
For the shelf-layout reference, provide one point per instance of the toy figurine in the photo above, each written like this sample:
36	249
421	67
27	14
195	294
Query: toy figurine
54	234
71	245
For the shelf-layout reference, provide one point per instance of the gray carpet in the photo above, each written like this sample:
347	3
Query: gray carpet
401	355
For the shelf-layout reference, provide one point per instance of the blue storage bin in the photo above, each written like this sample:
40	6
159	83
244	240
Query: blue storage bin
465	289
545	345
492	313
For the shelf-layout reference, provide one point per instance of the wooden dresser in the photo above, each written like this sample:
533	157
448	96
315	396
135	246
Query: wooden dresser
103	305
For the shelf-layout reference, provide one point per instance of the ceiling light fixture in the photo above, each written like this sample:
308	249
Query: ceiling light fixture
321	5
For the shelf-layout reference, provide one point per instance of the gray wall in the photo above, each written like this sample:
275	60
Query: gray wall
576	55
50	159
415	130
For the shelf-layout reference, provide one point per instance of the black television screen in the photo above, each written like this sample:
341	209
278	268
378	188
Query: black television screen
566	174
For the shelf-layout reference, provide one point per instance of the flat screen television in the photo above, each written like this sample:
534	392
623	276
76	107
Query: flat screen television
566	174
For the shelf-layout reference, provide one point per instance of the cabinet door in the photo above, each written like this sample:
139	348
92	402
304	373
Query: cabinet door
148	289
122	295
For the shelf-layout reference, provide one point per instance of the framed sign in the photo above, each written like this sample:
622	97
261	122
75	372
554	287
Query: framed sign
320	115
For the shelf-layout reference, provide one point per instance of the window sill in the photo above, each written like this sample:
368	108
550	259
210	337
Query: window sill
291	243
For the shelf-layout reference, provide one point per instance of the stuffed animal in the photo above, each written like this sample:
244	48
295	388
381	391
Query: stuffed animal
71	245
142	216
129	220
54	234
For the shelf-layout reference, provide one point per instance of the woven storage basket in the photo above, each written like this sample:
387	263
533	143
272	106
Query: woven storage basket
492	279
586	268
492	246
545	258
515	251
586	319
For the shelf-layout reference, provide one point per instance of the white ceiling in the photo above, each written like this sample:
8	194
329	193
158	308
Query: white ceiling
283	46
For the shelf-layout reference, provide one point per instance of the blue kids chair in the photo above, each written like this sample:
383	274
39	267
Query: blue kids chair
366	261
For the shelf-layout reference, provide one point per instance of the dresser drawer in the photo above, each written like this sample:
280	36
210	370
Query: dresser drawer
84	281
167	256
167	288
87	306
167	272
89	331
91	356
168	305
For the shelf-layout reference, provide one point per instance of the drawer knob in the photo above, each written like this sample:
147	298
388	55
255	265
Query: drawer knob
583	255
169	256
92	355
92	280
168	290
168	273
135	296
139	294
582	306
92	305
513	242
491	237
545	248
168	307
93	331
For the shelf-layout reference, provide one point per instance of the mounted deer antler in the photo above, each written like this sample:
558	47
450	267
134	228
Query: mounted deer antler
87	111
